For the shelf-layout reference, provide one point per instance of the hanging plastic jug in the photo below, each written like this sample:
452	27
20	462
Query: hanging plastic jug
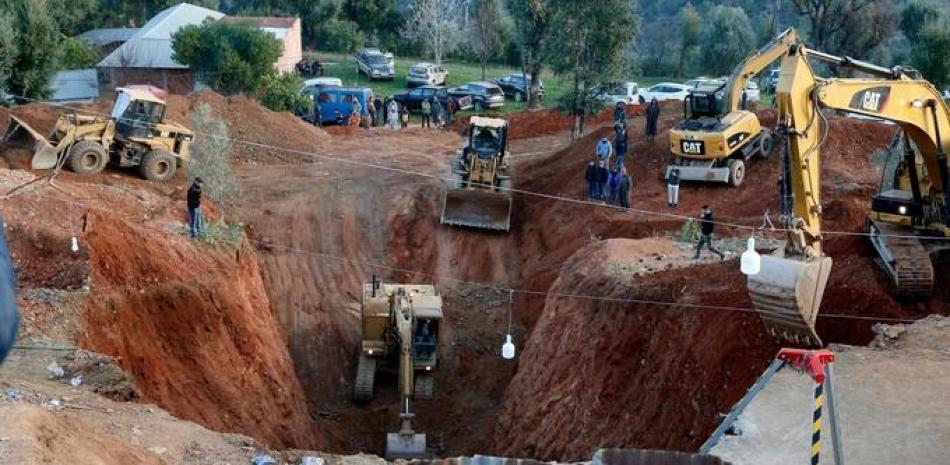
74	244
751	262
508	348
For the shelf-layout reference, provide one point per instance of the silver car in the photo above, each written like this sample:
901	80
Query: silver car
426	74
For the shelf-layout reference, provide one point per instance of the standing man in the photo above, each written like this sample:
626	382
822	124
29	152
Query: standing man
403	116
603	149
392	116
620	144
426	113
451	106
653	115
436	107
602	177
625	184
194	208
613	187
708	224
591	177
379	113
673	188
620	114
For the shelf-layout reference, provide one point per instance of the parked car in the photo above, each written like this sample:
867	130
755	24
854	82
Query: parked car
412	99
375	64
664	91
340	99
626	92
426	74
313	86
516	86
752	93
483	94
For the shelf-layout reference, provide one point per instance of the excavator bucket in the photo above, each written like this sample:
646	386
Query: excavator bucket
787	294
20	135
405	445
477	208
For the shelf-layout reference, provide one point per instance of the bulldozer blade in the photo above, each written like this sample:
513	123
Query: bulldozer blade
20	135
477	208
405	446
787	295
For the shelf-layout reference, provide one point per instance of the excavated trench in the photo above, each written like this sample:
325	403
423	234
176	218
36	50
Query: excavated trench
589	374
196	333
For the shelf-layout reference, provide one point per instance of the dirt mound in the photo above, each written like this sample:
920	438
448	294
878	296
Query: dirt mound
192	324
596	373
249	121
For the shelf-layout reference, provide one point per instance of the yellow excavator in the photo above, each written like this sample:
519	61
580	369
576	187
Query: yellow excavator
718	135
480	193
134	135
908	225
401	327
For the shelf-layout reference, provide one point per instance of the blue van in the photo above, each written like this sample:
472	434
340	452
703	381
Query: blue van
340	99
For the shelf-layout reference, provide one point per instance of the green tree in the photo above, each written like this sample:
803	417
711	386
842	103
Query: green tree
916	15
589	46
485	31
691	29
230	57
76	54
8	52
36	36
342	35
930	54
282	93
210	156
532	19
727	36
848	27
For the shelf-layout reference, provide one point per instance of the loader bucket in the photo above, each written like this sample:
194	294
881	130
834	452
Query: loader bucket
20	135
477	208
787	294
405	445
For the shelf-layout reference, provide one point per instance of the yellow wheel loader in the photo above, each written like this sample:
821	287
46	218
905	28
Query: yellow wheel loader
908	225
402	326
718	135
134	135
479	195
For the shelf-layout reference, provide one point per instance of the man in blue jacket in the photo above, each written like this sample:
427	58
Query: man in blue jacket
9	316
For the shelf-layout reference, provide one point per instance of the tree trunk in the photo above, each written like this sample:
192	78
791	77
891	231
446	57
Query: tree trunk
535	88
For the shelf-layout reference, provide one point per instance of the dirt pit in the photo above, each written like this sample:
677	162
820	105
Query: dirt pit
267	332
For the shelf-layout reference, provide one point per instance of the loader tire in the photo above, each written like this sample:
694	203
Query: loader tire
158	166
736	172
87	157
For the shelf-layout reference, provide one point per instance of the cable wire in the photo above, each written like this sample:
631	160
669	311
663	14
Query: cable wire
635	211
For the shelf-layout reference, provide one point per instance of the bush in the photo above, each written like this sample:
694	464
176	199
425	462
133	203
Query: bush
281	93
210	156
231	58
341	35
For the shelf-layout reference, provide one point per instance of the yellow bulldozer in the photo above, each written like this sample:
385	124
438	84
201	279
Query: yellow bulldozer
718	135
134	135
480	193
402	326
908	224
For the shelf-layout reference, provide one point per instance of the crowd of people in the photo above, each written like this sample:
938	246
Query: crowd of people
607	178
387	112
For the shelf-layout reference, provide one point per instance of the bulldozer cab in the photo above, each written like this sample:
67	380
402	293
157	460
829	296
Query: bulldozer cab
137	113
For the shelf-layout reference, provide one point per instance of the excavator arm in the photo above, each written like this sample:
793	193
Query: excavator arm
753	65
788	289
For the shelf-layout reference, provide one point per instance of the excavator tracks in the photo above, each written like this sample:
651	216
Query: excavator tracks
365	375
905	260
425	387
